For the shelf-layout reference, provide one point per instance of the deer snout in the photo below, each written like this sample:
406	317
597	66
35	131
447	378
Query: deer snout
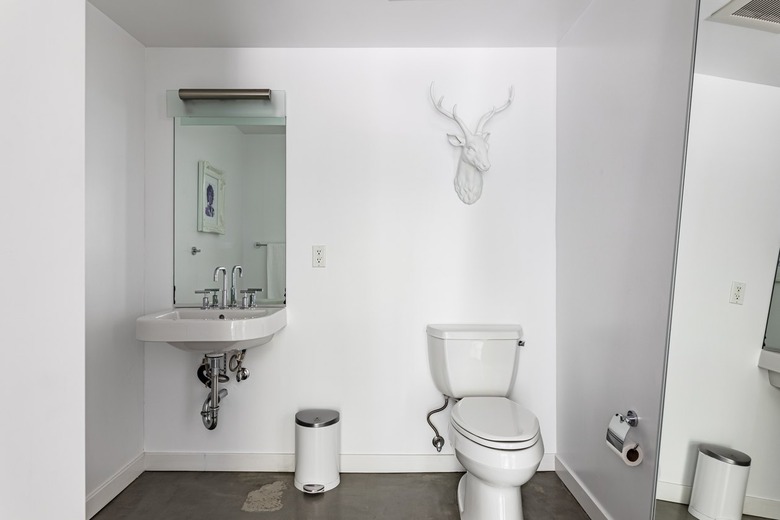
477	156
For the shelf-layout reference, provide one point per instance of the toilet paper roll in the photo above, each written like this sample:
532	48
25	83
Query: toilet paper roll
631	454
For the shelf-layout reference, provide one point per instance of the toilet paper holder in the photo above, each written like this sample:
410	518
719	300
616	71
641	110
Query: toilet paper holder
631	418
618	428
617	438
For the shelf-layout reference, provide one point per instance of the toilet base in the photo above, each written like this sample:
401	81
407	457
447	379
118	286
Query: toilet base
478	500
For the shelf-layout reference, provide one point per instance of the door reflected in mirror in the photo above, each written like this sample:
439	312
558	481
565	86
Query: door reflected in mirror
229	208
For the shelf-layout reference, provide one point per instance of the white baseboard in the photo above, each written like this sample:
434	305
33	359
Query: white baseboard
580	492
107	491
676	493
548	462
415	463
285	462
754	506
400	464
762	507
189	461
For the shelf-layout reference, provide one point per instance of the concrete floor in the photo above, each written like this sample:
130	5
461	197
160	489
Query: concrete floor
673	511
418	496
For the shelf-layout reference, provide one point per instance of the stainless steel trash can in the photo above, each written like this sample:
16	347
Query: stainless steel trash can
317	442
719	483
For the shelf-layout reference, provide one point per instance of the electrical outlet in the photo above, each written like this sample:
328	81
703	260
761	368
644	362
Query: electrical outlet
318	256
737	293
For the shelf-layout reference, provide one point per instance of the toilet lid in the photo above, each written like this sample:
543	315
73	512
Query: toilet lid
495	419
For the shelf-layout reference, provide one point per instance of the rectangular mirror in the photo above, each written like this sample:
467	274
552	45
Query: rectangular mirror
229	206
772	334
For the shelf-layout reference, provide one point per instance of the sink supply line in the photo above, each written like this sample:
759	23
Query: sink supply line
236	365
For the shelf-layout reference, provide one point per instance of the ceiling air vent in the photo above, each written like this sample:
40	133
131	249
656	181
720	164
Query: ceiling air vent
755	14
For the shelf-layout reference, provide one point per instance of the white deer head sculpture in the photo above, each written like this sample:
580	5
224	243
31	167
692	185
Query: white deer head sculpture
474	150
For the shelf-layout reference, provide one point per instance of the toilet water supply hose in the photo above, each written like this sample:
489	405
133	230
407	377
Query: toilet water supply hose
438	440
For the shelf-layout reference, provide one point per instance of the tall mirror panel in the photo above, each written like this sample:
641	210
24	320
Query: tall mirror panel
718	399
229	207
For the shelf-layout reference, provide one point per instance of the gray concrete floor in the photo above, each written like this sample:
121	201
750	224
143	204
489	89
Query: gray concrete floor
672	511
385	496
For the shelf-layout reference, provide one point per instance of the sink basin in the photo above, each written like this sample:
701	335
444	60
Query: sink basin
212	330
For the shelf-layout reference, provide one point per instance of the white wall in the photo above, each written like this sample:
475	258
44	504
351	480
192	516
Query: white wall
369	174
42	136
623	75
114	257
730	231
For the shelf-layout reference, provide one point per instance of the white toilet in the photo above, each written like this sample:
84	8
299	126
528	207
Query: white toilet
495	439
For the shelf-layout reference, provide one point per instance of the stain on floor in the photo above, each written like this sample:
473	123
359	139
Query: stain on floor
267	498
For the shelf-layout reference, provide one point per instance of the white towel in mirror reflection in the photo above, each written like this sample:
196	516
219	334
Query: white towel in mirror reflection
275	266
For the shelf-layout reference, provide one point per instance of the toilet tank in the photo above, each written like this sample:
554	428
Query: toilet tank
473	360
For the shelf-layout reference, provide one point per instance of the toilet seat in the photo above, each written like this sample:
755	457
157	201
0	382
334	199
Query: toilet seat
495	422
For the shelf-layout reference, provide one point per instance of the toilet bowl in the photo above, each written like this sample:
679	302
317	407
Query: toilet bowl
499	444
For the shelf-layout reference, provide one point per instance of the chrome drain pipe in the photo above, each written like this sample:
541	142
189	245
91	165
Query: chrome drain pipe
438	440
210	410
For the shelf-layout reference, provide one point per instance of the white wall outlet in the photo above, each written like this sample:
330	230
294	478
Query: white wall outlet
737	293
318	256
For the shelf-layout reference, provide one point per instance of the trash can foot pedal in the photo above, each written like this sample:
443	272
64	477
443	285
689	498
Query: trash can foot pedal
313	488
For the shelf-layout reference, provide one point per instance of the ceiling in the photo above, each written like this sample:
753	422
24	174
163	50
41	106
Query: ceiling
344	23
735	52
723	50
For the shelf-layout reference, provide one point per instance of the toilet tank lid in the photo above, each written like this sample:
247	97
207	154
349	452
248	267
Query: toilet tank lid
475	331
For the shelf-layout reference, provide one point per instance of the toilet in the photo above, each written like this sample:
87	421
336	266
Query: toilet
496	440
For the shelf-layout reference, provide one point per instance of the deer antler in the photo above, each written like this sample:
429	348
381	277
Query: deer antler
484	119
451	115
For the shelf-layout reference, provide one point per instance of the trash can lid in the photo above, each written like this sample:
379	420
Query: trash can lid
723	454
316	418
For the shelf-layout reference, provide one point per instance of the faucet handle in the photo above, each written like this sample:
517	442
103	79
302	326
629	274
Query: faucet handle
206	293
251	293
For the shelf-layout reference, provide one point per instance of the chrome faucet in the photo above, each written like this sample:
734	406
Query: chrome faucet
224	284
233	286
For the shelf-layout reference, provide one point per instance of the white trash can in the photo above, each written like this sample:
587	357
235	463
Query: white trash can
719	484
317	442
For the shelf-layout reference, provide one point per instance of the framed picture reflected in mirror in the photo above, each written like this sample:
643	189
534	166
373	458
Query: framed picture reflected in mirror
211	199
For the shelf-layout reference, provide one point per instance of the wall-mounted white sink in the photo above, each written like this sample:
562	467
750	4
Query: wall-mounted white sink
212	330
